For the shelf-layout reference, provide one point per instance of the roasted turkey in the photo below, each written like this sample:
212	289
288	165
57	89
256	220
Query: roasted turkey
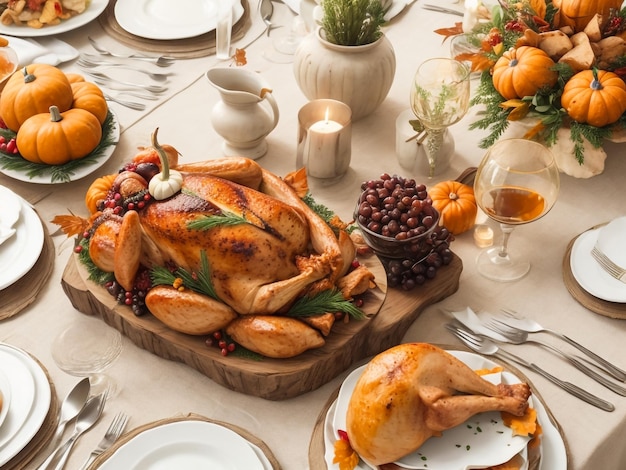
414	391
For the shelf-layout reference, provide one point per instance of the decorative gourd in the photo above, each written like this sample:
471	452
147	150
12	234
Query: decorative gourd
55	138
98	191
577	13
32	90
595	97
522	72
456	205
74	77
168	182
89	96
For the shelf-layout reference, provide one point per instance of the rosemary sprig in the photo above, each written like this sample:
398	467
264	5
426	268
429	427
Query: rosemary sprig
217	220
199	282
324	212
58	173
325	301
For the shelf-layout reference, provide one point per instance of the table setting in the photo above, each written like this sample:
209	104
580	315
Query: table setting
215	395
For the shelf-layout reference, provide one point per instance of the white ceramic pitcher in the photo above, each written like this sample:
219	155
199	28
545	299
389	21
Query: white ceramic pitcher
246	113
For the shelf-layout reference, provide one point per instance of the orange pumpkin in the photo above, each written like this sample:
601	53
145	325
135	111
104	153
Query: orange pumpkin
578	13
74	77
595	97
522	72
89	96
32	90
55	138
456	205
98	191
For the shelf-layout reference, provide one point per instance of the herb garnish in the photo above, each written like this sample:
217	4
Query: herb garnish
325	301
198	281
208	222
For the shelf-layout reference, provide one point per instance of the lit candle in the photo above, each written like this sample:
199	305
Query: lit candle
322	147
483	236
470	17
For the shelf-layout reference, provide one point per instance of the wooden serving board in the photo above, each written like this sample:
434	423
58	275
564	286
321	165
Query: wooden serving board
272	379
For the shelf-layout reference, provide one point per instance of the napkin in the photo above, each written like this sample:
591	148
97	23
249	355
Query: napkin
10	209
48	50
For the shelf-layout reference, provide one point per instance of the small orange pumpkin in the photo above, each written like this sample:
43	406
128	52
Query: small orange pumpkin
55	138
74	77
98	191
578	13
523	72
32	90
456	204
89	96
595	97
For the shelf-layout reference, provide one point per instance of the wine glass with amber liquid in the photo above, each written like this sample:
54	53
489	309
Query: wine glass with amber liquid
517	182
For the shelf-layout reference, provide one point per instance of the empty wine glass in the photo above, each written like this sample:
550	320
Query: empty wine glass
87	348
517	182
439	98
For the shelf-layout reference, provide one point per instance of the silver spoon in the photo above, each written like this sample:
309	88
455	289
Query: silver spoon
161	61
71	406
87	417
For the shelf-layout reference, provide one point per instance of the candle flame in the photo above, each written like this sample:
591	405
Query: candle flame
471	4
326	115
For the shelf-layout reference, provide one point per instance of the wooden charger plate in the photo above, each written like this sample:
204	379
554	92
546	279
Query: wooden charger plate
272	379
317	446
614	310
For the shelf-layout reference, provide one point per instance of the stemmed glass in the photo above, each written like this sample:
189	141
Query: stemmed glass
439	98
87	348
517	182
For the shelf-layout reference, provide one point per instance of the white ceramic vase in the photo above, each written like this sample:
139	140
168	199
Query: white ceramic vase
360	76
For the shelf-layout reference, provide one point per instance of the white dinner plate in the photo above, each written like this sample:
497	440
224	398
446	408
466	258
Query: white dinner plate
162	19
91	13
5	394
186	444
30	400
590	275
20	252
46	177
554	456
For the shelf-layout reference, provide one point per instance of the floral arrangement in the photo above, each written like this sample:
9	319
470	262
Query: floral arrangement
562	62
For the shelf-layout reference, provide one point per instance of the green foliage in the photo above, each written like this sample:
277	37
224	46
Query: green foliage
217	220
197	281
352	22
58	173
324	302
95	273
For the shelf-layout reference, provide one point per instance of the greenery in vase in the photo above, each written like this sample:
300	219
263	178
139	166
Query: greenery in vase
352	22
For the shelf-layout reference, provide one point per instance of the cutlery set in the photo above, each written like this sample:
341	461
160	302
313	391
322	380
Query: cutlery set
486	335
85	411
94	66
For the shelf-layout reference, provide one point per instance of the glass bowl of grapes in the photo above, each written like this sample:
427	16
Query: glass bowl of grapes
399	223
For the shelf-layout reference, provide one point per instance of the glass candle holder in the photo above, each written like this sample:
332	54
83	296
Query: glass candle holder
324	138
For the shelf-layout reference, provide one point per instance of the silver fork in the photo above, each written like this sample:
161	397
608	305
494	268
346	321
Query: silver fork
531	326
115	430
124	85
485	346
515	336
129	104
85	61
161	61
608	265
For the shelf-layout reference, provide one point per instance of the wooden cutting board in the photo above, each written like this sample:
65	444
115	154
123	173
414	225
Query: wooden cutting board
272	379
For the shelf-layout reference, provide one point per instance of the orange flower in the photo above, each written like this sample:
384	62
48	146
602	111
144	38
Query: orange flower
345	455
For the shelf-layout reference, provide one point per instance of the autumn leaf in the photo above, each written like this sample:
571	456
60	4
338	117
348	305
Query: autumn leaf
453	31
537	129
480	63
240	57
298	181
70	224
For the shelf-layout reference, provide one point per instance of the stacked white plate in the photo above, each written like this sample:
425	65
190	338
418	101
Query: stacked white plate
19	252
26	383
588	272
164	20
188	444
443	453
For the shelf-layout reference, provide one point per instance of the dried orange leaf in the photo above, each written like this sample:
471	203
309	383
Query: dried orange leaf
70	224
345	456
480	63
453	31
537	129
493	370
298	181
